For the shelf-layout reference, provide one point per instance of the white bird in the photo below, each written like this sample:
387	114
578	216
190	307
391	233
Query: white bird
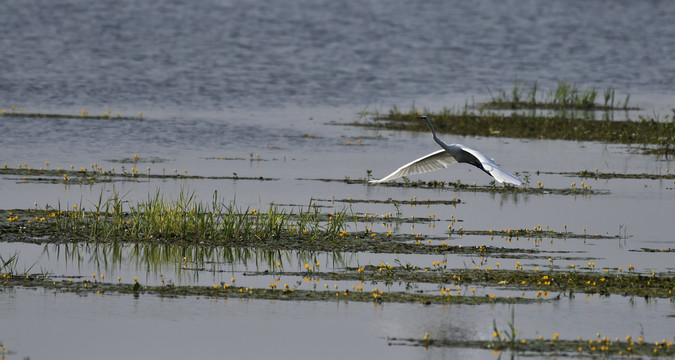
449	155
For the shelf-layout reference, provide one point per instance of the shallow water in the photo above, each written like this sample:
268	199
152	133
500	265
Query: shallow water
33	323
267	88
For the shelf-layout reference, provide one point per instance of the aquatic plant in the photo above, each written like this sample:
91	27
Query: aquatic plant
186	219
507	337
645	131
8	266
84	114
565	95
556	347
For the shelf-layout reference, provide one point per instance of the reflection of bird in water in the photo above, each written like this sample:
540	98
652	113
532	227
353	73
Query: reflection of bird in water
450	154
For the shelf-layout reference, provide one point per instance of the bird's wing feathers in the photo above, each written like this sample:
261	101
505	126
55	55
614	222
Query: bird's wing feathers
502	175
489	165
436	160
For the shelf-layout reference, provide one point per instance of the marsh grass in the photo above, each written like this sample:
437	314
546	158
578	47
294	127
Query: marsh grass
9	266
565	95
648	131
186	219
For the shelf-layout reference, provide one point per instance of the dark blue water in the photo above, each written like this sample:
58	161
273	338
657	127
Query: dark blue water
218	54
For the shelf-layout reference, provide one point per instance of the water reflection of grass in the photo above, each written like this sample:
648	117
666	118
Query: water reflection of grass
192	258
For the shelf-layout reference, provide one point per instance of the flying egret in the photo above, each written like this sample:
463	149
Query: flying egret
449	155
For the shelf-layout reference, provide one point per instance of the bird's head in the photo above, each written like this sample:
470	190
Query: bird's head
422	117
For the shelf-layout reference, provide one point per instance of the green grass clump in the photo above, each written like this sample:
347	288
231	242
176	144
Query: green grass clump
187	220
566	95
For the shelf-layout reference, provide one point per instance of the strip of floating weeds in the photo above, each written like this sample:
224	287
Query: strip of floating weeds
535	233
459	186
227	291
556	348
645	131
97	176
655	250
559	282
588	174
84	116
392	201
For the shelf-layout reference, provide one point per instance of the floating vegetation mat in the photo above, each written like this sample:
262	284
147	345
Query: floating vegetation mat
574	189
98	175
556	347
657	136
586	174
107	115
275	292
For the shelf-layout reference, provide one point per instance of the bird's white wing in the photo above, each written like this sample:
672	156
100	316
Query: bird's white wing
435	161
489	165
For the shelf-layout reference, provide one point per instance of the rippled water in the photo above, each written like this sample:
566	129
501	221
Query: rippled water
217	54
262	85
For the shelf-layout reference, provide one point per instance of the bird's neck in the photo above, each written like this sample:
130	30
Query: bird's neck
433	132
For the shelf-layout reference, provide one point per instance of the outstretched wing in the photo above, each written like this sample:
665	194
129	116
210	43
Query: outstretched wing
491	168
435	161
